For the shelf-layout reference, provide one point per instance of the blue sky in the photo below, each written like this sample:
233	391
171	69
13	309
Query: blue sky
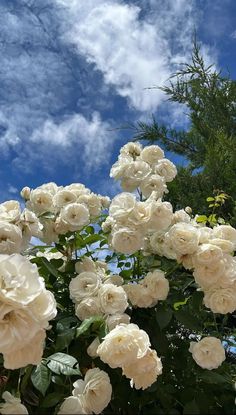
73	71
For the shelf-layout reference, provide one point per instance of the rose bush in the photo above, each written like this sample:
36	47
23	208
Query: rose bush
123	307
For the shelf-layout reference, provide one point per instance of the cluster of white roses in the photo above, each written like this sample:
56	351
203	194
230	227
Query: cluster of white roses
25	309
144	168
96	293
16	227
128	347
90	395
12	405
71	207
152	288
209	253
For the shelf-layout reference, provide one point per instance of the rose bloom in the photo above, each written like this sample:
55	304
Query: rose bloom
207	254
139	295
88	307
10	238
151	183
126	240
222	300
20	282
144	371
208	353
121	206
12	405
183	238
41	201
135	173
157	284
10	211
17	327
180	216
112	299
86	284
113	279
77	188
205	234
73	405
64	197
161	214
113	320
95	389
208	274
225	245
92	202
131	149
124	344
152	154
50	233
30	354
85	265
76	215
166	169
43	308
225	232
118	168
30	224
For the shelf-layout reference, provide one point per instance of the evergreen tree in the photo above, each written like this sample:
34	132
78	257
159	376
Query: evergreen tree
209	144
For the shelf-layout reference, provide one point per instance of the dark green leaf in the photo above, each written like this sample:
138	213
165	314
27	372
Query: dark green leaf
61	363
41	378
52	399
191	408
87	323
163	317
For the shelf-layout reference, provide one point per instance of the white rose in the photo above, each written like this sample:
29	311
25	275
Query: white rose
29	354
86	264
75	215
225	232
139	295
112	299
43	308
73	405
134	173
113	320
121	206
86	284
63	198
157	284
166	169
108	224
10	211
207	254
183	238
50	187
161	214
151	183
78	189
50	233
20	282
208	353
131	149
105	201
152	154
88	307
40	201
10	238
124	344
17	328
126	240
143	372
114	279
96	390
222	300
30	224
205	234
92	202
208	274
224	244
25	193
12	405
118	168
180	216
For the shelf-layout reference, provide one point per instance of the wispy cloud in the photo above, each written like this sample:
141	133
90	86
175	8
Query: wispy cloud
131	50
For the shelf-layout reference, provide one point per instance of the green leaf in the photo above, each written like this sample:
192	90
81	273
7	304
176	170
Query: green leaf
202	218
52	399
191	408
210	199
163	318
41	378
87	323
61	363
187	320
64	339
50	267
92	238
214	377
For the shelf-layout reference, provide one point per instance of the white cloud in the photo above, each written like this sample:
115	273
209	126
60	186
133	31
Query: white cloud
90	138
133	53
233	34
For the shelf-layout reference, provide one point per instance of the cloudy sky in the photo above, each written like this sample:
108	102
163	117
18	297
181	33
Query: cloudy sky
73	71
